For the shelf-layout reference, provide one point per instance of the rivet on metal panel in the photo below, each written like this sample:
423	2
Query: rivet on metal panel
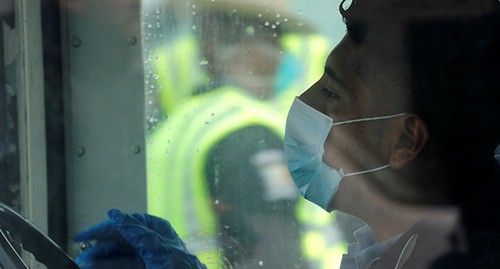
76	42
136	149
132	40
80	151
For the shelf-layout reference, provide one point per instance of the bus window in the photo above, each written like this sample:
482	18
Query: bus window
178	109
220	77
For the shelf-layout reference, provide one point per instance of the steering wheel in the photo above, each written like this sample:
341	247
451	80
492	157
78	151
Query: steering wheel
17	232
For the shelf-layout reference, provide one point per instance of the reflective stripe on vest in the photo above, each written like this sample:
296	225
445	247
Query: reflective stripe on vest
177	72
176	158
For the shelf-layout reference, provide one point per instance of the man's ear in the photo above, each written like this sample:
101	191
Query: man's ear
412	136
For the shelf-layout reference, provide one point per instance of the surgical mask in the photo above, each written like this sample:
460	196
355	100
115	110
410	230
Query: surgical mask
305	136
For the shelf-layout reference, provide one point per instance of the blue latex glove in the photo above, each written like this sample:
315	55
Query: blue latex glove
124	235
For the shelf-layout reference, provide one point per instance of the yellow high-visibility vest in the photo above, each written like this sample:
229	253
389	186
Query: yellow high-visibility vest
186	203
178	72
176	158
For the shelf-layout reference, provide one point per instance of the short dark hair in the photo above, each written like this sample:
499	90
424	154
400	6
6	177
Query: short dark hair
452	49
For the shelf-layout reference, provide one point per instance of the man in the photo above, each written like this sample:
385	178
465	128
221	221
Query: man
398	88
406	111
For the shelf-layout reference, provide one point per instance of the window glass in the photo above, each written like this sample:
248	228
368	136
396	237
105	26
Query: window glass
396	124
9	155
220	78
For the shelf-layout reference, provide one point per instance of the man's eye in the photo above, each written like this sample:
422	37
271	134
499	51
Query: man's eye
329	92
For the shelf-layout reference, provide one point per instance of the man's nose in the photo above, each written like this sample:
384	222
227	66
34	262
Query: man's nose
315	98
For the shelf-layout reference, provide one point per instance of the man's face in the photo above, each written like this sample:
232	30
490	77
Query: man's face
343	95
346	92
246	54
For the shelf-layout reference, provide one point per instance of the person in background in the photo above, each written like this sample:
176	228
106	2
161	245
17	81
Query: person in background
216	168
398	132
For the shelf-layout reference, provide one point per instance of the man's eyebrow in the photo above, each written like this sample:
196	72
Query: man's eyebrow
345	86
331	73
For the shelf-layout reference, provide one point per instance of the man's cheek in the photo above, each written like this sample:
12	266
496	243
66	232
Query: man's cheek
339	149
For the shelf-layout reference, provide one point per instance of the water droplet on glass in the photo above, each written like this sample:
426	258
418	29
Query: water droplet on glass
261	263
250	30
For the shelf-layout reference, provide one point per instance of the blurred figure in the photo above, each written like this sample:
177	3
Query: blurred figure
217	163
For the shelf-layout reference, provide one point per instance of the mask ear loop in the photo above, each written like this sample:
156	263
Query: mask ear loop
368	119
367	171
363	120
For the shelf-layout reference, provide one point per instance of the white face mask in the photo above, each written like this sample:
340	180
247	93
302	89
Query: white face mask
305	136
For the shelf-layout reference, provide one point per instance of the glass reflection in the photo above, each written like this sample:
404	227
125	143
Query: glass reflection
221	76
